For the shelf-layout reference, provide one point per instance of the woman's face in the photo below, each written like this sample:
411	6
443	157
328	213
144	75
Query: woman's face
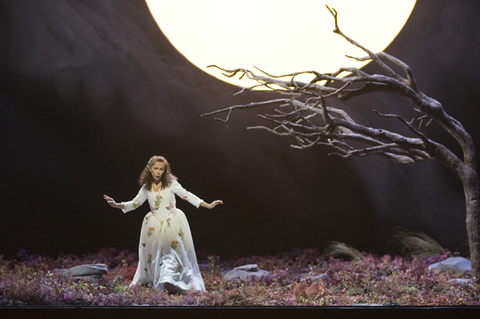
157	171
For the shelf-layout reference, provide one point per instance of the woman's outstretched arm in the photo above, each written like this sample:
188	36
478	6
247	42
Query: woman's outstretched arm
112	203
212	204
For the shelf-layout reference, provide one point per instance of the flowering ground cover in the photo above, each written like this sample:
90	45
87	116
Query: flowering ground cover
294	281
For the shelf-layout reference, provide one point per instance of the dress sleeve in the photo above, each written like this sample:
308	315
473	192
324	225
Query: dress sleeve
137	201
185	195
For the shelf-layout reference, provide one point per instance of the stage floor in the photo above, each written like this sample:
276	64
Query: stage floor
73	312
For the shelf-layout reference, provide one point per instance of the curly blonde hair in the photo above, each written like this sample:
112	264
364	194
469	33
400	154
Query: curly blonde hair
146	176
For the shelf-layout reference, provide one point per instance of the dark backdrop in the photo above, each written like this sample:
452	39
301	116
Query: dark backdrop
89	90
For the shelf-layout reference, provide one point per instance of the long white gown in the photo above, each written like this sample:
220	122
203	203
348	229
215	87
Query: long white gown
166	251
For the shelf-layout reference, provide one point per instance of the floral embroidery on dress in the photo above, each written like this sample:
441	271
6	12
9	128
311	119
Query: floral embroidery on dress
147	218
158	200
180	233
168	222
149	261
135	205
174	244
161	226
179	268
171	208
150	231
144	244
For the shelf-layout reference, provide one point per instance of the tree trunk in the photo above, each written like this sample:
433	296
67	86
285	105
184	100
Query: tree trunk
471	188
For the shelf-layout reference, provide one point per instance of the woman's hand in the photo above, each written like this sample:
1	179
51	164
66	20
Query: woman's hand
212	204
112	203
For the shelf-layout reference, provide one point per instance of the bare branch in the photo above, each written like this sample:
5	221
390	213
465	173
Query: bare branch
373	56
426	141
246	106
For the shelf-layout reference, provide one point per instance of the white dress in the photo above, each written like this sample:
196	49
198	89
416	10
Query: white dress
166	251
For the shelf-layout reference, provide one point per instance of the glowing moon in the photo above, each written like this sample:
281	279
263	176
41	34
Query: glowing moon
278	36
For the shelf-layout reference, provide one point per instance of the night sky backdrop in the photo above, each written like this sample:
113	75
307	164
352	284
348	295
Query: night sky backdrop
89	90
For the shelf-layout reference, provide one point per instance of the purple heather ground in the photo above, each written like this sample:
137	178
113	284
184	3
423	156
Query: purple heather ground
31	280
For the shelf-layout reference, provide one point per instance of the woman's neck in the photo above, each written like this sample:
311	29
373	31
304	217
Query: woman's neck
156	185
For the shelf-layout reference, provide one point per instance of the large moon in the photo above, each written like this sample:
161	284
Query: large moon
277	36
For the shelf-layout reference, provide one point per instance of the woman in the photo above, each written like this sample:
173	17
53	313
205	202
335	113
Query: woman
166	252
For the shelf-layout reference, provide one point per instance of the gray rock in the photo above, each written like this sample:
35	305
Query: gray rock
456	264
461	281
245	272
88	270
249	268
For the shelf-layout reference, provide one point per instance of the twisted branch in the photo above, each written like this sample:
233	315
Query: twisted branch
307	118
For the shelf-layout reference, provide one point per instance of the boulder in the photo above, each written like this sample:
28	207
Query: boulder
456	264
88	270
245	272
460	281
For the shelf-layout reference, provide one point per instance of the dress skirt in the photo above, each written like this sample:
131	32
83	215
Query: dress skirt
167	254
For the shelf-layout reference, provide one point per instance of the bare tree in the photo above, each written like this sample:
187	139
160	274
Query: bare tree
304	115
